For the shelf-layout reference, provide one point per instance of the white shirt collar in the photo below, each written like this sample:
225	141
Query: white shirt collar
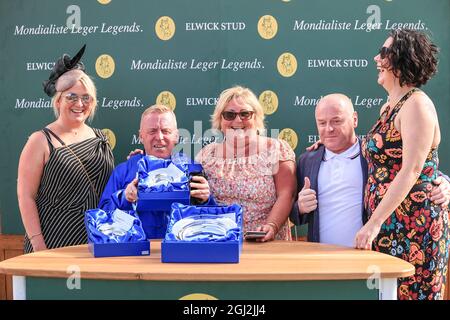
351	153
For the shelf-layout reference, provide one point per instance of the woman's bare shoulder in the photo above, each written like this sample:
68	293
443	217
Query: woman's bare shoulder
37	139
419	102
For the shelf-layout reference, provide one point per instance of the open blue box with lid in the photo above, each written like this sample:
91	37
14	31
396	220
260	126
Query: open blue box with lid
156	191
115	233
203	234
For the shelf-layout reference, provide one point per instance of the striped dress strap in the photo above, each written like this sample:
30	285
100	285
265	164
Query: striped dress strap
48	131
47	134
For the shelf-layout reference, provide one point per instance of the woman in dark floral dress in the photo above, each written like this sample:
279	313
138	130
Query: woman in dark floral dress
401	150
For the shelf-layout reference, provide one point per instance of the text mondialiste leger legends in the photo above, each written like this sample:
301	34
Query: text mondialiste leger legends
194	64
53	29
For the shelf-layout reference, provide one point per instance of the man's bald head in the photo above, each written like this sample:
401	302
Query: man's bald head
336	99
336	121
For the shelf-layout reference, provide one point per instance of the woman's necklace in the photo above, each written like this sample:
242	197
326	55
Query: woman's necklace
71	132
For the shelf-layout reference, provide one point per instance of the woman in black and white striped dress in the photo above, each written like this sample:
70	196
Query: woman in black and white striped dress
64	167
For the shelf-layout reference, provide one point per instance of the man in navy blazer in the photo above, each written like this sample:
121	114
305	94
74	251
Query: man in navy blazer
331	179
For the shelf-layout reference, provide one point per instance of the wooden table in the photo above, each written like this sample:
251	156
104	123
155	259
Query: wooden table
274	270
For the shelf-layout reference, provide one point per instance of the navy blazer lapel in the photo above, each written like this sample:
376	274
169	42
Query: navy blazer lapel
315	166
314	178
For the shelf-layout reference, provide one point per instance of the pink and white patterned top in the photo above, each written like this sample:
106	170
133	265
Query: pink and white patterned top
247	181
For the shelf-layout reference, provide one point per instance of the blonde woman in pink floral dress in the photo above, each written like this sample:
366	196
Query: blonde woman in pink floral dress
247	168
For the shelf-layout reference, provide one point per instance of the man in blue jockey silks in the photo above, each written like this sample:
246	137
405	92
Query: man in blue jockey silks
159	134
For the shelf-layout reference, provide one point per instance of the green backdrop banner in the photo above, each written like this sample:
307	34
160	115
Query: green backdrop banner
184	53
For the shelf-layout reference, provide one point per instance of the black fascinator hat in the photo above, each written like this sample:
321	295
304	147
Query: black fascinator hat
63	65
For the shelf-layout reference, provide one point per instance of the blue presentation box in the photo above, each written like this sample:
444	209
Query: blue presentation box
180	251
161	201
105	242
203	252
141	248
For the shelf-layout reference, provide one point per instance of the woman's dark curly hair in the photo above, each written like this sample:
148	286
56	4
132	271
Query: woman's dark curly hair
413	57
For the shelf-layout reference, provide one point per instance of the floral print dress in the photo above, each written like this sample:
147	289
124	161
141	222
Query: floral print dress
417	231
247	181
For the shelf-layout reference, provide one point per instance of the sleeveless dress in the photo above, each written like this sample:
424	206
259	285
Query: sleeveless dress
247	181
417	231
66	192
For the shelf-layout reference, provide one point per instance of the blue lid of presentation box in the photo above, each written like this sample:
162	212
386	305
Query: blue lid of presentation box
203	234
115	233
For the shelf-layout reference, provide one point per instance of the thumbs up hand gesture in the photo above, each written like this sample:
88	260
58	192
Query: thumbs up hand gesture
307	200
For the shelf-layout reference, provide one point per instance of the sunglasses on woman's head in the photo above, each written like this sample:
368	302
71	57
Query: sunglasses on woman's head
73	98
243	115
384	52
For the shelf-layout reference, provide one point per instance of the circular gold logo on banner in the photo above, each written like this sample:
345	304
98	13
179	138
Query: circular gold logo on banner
104	1
267	27
289	136
165	28
269	101
287	64
198	296
110	136
168	99
105	66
